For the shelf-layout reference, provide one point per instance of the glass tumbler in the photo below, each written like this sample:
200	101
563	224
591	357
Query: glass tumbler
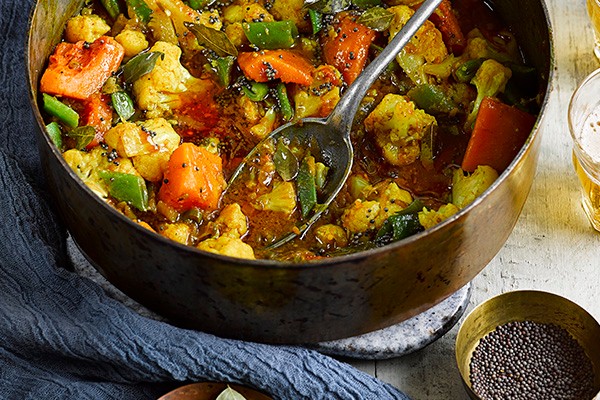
584	126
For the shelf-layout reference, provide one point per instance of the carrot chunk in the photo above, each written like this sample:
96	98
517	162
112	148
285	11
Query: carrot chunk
98	113
194	178
499	133
268	65
346	46
78	70
446	21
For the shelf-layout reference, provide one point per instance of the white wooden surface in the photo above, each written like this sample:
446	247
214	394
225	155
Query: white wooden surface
552	248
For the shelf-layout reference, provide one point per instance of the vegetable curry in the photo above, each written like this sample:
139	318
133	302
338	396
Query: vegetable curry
154	103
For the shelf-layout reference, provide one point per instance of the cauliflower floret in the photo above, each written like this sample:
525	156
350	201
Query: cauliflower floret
426	46
149	144
231	222
178	232
392	200
490	80
227	246
318	99
129	140
293	10
331	236
85	27
384	200
479	47
133	41
360	216
169	84
281	199
87	164
466	188
180	13
429	218
398	128
153	165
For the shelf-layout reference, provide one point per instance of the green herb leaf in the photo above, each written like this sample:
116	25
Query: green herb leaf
212	39
123	105
400	225
230	394
286	163
376	18
140	65
329	6
83	136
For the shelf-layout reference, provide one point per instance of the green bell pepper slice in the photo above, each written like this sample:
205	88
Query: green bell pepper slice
112	8
126	187
60	110
285	106
256	91
307	188
431	99
141	9
55	134
271	35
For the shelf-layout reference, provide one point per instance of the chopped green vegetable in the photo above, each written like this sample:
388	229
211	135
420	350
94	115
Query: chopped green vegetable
316	20
126	187
141	10
358	186
467	70
400	225
196	4
223	67
83	136
212	39
123	105
432	99
54	132
376	18
60	110
321	171
330	6
307	189
271	35
286	163
287	111
366	4
256	91
140	65
112	8
230	394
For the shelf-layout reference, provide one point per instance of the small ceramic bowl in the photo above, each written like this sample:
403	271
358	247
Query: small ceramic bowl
535	306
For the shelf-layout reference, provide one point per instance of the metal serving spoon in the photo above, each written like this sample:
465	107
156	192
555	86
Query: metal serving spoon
331	135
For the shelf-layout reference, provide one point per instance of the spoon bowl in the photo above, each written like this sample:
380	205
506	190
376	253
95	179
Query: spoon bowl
329	138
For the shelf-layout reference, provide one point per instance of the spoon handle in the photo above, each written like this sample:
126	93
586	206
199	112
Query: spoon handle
342	115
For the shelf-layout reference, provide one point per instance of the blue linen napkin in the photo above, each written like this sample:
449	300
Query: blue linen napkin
62	337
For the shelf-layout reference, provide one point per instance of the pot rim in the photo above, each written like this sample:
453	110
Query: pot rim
265	263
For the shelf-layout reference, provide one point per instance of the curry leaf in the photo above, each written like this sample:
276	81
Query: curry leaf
212	39
376	18
286	163
123	105
140	65
83	136
329	6
230	394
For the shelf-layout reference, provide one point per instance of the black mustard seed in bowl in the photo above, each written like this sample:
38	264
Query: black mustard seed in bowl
528	360
530	345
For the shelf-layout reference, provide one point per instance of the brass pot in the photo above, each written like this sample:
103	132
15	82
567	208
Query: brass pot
526	305
270	301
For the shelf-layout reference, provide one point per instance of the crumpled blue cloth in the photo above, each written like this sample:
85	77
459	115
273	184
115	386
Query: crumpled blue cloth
62	337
